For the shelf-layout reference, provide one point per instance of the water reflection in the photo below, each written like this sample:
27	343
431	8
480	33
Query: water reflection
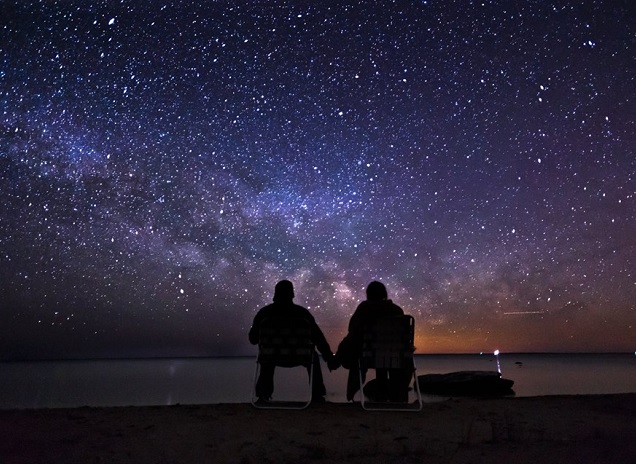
229	380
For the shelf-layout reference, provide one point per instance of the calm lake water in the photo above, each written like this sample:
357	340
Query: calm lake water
142	382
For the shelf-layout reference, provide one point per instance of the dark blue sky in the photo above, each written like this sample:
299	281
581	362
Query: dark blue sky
164	164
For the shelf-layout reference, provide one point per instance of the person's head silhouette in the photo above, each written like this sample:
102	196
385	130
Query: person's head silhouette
284	291
376	291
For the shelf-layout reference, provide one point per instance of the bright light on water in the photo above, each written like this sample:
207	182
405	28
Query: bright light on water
498	365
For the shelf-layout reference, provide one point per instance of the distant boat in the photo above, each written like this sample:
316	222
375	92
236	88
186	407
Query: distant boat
466	383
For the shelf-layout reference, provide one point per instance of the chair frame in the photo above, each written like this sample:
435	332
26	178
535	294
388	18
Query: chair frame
286	343
389	344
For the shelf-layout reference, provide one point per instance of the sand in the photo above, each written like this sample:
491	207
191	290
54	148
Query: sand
554	429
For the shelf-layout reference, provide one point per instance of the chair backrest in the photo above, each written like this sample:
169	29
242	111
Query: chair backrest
285	342
388	343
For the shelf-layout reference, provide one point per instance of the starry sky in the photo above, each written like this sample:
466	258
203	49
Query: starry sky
164	164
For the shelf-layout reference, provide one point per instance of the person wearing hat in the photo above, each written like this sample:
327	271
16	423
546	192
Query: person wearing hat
284	307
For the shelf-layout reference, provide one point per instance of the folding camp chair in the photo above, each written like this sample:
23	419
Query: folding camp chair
284	343
387	347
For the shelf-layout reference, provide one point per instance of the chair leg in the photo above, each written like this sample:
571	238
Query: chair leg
282	404
362	378
254	398
416	386
361	387
311	380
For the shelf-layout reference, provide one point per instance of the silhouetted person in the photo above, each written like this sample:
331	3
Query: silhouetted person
283	308
393	385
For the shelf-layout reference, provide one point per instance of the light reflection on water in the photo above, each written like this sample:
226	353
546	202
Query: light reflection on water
142	382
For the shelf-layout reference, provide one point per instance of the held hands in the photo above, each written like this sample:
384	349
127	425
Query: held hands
332	362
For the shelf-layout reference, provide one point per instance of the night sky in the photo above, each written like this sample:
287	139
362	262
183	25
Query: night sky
164	164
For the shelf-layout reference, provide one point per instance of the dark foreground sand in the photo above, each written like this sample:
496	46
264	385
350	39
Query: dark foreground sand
557	429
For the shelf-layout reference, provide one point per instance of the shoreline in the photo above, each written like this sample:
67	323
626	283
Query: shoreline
556	428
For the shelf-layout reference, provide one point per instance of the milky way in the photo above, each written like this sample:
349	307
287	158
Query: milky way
164	164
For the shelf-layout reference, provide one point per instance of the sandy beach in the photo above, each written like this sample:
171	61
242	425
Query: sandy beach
581	429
